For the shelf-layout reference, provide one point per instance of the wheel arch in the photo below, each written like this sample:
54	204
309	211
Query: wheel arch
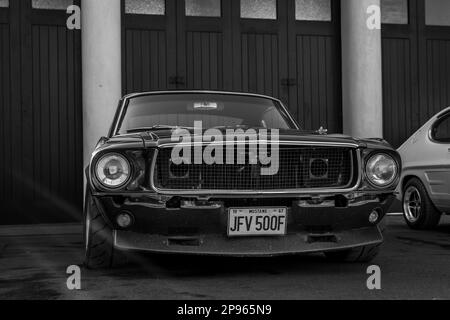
408	178
408	175
421	177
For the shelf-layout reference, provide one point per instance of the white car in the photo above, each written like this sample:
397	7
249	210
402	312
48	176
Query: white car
425	182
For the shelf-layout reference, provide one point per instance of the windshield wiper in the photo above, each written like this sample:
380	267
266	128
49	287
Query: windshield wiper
240	126
157	127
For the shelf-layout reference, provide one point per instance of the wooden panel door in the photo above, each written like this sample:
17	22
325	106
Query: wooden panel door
295	61
236	48
149	47
416	73
43	116
401	106
204	47
52	99
434	65
260	62
10	110
314	79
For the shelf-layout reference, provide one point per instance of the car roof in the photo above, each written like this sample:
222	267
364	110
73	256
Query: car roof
140	94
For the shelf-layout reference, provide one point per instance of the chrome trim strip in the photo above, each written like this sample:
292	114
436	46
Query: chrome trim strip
363	203
286	111
212	206
119	118
324	204
149	93
311	191
266	142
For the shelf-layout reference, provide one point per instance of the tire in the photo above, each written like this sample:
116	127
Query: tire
418	209
357	255
98	239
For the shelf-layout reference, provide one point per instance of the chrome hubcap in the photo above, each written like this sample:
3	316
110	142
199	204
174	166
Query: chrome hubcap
412	204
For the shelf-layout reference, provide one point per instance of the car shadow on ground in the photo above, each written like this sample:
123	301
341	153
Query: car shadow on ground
144	265
443	228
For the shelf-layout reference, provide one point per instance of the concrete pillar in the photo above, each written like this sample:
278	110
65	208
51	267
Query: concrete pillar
102	68
361	71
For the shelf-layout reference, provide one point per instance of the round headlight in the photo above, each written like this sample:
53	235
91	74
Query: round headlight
113	171
381	170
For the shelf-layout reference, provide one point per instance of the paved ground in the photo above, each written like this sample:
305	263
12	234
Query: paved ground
33	263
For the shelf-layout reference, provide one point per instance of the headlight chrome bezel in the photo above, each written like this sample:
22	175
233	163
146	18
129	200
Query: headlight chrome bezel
129	172
391	182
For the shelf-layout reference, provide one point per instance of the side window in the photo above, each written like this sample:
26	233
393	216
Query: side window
441	130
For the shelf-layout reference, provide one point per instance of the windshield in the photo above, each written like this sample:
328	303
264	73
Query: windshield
163	111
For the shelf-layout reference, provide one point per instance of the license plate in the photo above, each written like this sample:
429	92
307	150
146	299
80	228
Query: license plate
257	222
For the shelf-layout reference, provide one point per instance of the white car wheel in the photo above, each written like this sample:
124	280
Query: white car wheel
412	204
418	209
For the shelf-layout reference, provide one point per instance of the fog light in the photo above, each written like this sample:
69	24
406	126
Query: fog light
124	220
374	216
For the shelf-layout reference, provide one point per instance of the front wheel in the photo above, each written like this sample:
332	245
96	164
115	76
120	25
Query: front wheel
98	239
418	210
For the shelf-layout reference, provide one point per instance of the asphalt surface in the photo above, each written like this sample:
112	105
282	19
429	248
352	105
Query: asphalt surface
33	263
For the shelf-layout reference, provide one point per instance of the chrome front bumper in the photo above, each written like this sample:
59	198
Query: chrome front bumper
202	230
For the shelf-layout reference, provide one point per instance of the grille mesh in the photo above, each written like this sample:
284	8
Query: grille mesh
299	168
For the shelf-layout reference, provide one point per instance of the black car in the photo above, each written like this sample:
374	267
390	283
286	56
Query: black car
150	190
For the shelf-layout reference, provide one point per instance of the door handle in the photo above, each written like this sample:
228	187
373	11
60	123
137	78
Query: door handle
288	82
176	80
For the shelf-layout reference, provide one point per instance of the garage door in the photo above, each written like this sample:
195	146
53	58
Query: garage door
287	49
416	64
40	100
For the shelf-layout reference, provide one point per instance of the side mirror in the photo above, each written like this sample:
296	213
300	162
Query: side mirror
322	131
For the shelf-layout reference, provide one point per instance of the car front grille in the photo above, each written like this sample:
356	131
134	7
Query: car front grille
300	167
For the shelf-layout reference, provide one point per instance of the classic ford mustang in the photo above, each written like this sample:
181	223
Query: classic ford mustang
232	174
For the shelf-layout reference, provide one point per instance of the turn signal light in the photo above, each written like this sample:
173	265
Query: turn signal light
374	216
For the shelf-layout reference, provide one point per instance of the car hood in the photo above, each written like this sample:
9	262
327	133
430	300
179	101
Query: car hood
157	138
